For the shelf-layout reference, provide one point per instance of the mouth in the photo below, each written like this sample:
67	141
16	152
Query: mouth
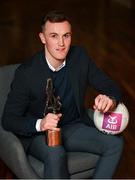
61	49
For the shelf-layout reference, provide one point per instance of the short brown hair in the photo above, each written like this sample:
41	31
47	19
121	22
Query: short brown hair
54	16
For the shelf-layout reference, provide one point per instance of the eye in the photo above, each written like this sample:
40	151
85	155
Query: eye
54	35
67	35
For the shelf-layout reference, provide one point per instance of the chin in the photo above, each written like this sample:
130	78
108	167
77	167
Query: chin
60	58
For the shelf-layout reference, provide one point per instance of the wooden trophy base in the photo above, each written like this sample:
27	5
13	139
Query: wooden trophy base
53	138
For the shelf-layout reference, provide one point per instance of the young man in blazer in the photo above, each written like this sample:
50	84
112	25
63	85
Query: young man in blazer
72	71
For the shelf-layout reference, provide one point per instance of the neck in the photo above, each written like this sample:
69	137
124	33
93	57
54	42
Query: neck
55	63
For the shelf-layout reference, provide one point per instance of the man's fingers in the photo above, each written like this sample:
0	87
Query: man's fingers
103	103
97	99
54	116
55	129
50	121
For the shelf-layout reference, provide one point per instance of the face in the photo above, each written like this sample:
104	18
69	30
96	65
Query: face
57	40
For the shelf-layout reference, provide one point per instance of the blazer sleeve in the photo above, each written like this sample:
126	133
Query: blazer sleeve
100	81
15	117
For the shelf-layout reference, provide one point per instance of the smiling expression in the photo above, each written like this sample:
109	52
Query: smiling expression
57	40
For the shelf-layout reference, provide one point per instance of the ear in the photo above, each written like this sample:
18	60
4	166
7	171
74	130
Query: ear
42	38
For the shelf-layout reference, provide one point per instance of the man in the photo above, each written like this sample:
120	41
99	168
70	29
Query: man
72	71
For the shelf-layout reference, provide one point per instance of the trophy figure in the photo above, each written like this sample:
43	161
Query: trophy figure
52	105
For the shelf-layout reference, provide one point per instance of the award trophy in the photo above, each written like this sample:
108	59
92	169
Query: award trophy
52	105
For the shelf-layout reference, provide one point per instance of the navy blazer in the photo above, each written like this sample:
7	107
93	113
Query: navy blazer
26	100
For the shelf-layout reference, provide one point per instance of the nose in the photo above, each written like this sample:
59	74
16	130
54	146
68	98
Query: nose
61	41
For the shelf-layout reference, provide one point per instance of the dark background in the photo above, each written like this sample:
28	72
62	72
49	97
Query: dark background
105	27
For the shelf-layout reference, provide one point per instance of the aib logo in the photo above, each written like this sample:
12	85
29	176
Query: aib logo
112	121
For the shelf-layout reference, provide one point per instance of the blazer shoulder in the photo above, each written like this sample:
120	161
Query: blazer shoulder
31	63
79	54
77	49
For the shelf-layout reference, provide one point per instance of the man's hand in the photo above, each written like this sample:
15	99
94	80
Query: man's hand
104	103
50	121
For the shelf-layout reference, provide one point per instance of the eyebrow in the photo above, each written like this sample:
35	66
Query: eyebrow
57	33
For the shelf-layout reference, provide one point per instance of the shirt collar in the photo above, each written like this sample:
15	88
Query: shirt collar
56	69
